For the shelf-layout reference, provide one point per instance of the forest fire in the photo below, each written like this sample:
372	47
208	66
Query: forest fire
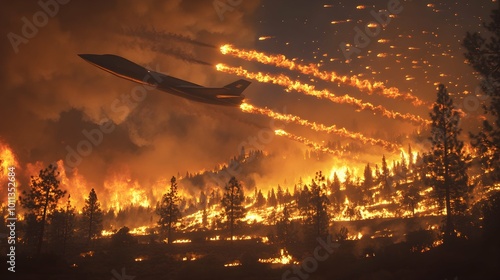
359	176
123	189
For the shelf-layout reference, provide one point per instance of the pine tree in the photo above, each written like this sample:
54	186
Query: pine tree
483	54
446	162
335	196
271	198
285	228
280	195
62	226
232	202
384	178
368	177
404	168
314	208
42	199
168	210
260	199
92	216
411	198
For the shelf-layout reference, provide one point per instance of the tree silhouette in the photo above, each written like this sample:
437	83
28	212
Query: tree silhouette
42	198
314	208
285	228
271	198
260	200
168	210
367	183
336	195
384	178
411	198
483	54
62	226
92	216
232	203
446	162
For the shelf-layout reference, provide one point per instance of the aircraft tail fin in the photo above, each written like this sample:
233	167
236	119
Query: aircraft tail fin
236	88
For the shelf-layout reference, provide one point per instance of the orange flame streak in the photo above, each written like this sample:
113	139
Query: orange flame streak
248	108
311	69
307	142
307	89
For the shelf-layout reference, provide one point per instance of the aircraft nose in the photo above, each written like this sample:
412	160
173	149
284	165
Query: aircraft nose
89	57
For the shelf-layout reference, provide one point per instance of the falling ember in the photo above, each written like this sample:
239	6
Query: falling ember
311	69
309	143
248	108
340	21
262	38
290	84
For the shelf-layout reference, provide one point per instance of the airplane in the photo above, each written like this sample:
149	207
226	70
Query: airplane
229	95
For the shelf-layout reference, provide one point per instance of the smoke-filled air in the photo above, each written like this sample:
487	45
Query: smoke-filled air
250	139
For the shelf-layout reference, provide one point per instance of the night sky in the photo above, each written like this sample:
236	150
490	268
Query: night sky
50	95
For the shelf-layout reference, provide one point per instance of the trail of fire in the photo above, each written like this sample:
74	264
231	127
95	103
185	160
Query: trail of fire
311	69
307	89
248	108
307	142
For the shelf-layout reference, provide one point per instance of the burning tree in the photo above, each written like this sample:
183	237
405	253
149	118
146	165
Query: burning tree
42	199
484	57
168	210
92	215
446	162
232	202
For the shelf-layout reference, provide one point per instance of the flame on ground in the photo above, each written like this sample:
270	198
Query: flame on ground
312	69
307	89
284	258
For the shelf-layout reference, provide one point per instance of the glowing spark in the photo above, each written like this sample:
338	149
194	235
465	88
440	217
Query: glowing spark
311	69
